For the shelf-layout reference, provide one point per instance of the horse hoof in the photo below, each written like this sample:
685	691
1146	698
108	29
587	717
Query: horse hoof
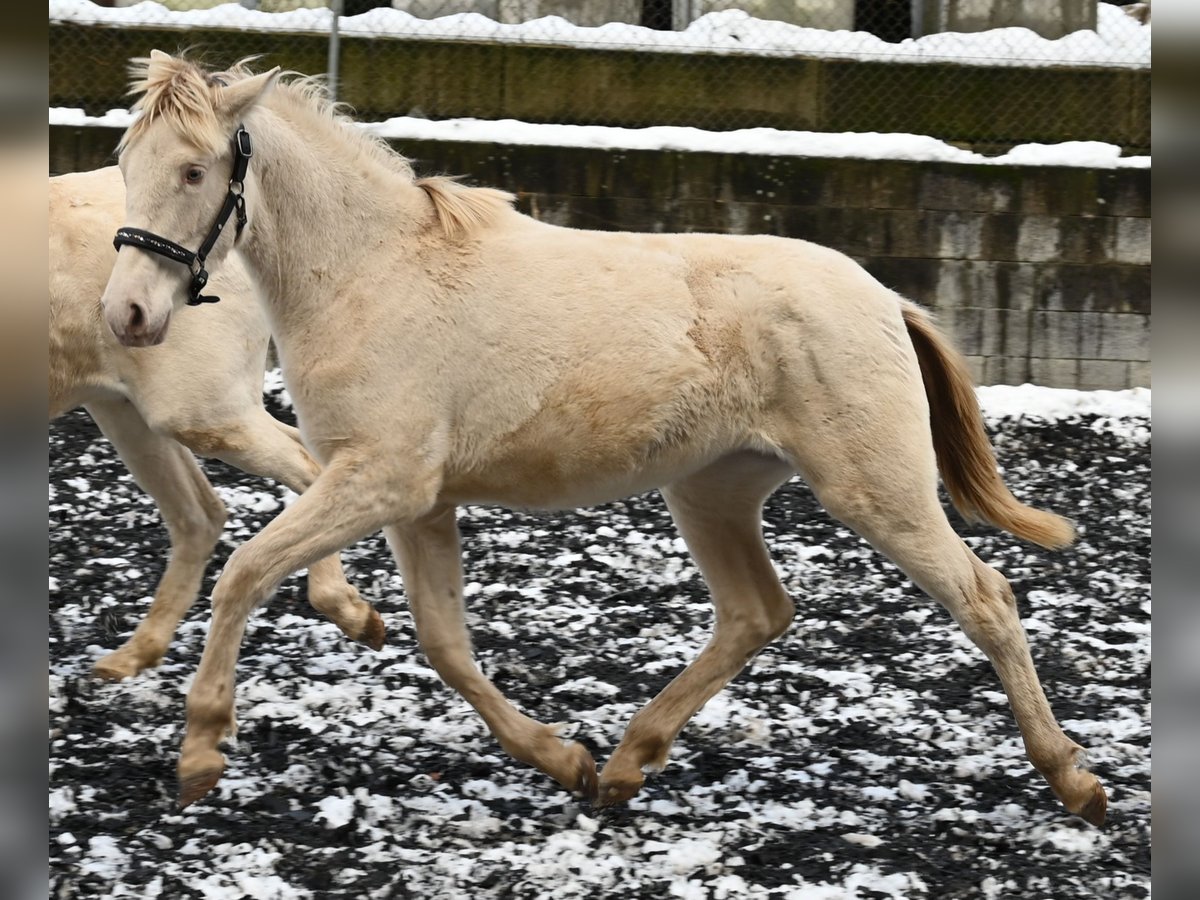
1095	810
373	632
611	792
117	666
198	782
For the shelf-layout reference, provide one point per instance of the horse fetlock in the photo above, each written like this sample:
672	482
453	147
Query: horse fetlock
208	722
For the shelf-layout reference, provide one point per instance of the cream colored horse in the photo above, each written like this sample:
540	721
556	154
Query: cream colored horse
441	348
201	391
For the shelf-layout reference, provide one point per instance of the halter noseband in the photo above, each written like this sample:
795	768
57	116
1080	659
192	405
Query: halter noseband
234	202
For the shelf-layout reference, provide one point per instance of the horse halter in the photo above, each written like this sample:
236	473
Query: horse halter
235	201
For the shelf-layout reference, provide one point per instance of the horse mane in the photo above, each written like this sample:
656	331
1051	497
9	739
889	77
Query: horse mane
463	209
179	91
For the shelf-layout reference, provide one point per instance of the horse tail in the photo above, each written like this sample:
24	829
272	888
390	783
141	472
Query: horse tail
964	452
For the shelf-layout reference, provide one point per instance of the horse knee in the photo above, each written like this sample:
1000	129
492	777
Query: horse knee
242	584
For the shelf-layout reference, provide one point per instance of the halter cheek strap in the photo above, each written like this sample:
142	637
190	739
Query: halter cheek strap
235	202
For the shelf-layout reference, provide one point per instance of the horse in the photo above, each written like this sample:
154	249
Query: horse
199	392
442	348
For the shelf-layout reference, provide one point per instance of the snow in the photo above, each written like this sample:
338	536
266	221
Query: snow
763	141
1055	404
1117	41
336	811
863	840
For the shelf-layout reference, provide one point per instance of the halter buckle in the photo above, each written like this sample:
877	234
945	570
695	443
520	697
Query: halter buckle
199	281
242	144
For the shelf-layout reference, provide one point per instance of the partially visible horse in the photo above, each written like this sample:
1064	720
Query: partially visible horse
201	391
441	348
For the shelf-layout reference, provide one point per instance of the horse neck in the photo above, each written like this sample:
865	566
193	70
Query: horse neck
321	208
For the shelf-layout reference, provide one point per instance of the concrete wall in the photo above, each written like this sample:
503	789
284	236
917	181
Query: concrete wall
1041	274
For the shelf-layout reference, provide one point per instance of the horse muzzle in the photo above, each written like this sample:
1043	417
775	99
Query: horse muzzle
133	327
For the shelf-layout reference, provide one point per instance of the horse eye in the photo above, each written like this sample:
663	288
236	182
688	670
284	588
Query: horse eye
194	175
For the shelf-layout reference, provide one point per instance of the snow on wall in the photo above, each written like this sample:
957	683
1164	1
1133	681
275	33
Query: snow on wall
763	141
1118	40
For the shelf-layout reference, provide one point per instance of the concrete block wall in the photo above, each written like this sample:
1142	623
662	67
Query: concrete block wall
1041	274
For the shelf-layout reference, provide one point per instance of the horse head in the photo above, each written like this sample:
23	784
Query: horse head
185	162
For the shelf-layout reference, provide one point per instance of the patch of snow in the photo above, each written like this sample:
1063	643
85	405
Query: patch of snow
336	811
1053	404
1072	840
863	840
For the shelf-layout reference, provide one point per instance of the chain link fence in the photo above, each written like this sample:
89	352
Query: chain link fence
983	74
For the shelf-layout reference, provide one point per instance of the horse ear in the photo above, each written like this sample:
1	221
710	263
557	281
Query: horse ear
155	67
233	101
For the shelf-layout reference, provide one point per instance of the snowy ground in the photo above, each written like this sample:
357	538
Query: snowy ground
868	754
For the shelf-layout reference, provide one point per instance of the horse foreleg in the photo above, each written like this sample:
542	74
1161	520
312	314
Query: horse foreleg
342	506
261	445
194	516
719	512
431	564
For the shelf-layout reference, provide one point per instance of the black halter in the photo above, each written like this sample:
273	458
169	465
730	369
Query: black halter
234	202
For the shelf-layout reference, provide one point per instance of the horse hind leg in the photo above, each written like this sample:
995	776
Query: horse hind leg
718	511
885	488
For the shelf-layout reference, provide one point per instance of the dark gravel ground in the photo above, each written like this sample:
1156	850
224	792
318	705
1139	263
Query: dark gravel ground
868	754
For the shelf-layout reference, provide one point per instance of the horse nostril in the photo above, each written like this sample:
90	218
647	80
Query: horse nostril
137	316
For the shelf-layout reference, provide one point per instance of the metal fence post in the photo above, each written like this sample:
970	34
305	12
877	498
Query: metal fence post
681	14
334	48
